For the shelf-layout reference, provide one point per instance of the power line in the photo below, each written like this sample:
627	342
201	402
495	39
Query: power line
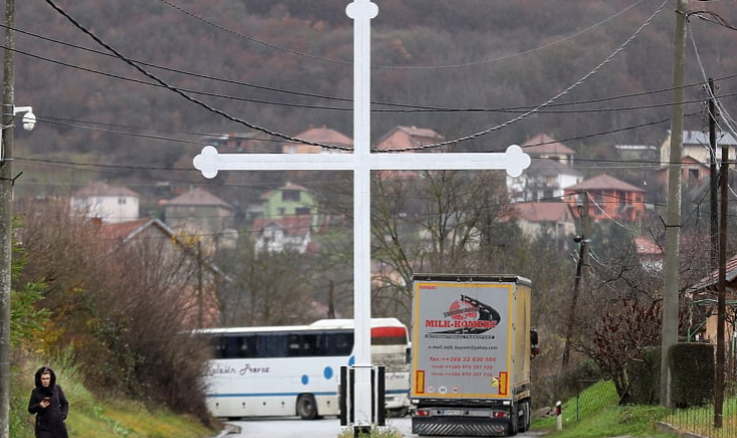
396	107
281	135
548	102
182	93
582	137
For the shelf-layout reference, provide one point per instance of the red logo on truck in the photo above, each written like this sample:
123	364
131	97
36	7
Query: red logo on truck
466	316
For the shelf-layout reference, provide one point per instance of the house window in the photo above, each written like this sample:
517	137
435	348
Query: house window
302	210
121	201
693	174
281	211
290	195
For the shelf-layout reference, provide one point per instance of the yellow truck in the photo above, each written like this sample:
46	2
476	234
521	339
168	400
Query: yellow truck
471	353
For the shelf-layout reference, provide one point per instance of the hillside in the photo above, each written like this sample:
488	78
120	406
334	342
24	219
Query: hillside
458	68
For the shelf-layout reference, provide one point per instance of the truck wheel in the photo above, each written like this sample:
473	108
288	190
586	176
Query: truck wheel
525	419
513	426
307	407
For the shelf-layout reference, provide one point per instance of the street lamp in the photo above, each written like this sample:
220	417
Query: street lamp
29	121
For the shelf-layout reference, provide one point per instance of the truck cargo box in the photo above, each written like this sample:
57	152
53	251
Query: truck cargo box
471	354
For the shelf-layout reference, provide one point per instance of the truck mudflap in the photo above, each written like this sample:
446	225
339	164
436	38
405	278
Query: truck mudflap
459	426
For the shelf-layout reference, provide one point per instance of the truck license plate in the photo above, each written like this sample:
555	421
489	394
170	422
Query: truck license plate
452	412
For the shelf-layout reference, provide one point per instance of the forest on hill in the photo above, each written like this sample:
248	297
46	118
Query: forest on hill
592	74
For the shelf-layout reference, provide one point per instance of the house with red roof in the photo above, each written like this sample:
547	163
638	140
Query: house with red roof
609	198
703	299
151	240
322	135
408	137
693	174
110	203
543	146
199	212
549	174
649	253
555	217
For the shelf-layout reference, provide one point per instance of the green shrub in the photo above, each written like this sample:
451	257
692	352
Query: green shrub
645	377
692	374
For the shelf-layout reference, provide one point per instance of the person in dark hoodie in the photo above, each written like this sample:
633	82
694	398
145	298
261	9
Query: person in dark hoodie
49	404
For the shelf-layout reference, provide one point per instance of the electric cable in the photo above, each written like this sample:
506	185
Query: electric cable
281	135
184	94
397	107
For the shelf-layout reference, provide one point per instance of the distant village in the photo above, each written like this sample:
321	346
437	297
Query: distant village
548	194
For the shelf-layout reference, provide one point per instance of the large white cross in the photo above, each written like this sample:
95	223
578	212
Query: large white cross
362	162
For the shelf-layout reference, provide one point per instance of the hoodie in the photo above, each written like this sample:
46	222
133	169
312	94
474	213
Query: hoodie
49	420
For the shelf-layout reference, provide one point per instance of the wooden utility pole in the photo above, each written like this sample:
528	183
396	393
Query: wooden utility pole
582	263
713	179
671	296
6	215
200	287
722	299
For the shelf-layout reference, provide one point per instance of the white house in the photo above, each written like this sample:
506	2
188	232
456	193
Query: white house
544	180
112	204
697	146
280	234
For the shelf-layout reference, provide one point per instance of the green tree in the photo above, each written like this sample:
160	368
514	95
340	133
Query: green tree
27	319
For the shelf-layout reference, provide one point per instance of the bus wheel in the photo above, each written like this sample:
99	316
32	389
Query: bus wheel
307	407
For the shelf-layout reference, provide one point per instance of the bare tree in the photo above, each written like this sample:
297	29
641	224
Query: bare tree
446	221
122	308
267	288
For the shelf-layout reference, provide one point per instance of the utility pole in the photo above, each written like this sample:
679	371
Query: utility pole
582	262
671	294
6	216
713	179
722	299
200	287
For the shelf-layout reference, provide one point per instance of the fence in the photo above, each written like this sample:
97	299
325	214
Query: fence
700	420
697	421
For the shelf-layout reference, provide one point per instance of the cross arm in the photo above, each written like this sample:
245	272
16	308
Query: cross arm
514	161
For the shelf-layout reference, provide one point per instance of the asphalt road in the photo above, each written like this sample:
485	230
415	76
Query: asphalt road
325	428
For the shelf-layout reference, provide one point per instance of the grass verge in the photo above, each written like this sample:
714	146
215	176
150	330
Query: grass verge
595	413
90	417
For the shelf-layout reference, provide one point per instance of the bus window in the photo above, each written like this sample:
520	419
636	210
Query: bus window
311	344
245	347
294	346
342	344
218	347
272	345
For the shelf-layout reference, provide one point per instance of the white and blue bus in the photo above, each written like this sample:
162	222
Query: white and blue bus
295	370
